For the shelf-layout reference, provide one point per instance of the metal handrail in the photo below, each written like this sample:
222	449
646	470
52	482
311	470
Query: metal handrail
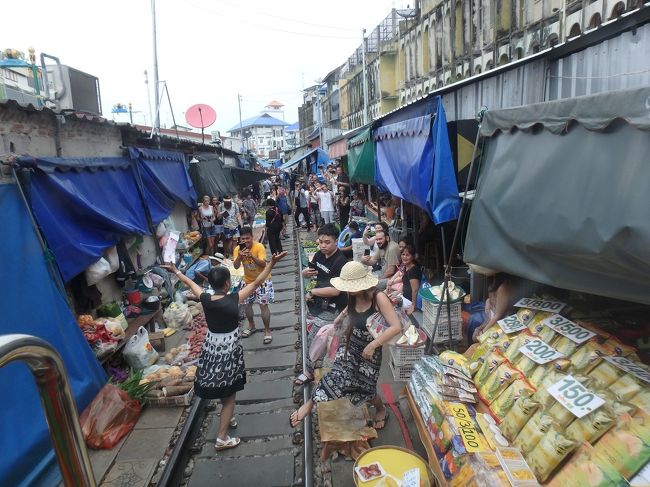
309	475
58	404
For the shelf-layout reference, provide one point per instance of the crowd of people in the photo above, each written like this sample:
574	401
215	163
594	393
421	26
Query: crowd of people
346	292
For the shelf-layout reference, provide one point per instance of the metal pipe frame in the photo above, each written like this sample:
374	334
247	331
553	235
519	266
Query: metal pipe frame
49	373
308	450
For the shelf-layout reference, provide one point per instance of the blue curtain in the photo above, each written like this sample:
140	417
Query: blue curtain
413	161
443	203
83	212
32	304
403	155
165	181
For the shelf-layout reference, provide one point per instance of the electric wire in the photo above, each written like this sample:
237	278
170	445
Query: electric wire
267	27
286	19
609	76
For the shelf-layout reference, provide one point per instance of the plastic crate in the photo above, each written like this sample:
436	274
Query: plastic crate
406	355
172	402
401	373
429	311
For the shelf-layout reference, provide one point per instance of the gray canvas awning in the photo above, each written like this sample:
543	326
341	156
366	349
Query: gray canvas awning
563	196
210	177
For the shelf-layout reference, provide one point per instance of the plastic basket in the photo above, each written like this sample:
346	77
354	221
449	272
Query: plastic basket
406	355
430	307
171	402
401	373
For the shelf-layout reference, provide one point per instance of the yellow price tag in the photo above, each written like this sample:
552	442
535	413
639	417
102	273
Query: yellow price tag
467	428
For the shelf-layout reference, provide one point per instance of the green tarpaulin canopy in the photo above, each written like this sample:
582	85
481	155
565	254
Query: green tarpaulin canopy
361	158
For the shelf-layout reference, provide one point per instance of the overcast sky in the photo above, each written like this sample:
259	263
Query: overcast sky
208	50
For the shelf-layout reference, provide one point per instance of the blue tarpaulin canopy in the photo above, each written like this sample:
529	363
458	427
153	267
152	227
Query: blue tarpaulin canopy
321	158
413	160
84	211
32	304
165	181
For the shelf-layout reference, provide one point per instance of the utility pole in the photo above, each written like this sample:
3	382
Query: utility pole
146	82
241	129
365	78
156	88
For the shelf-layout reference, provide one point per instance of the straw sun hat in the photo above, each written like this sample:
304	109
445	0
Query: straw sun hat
354	278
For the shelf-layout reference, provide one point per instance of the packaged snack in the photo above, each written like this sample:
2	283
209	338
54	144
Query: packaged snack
481	468
533	432
561	415
370	472
524	315
494	332
502	404
626	387
542	395
452	381
538	375
564	345
524	364
642	400
535	324
587	356
491	363
627	445
592	426
606	373
548	453
456	360
587	468
491	431
618	348
518	416
498	381
517	342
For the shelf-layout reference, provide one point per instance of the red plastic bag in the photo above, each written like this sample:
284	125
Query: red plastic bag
110	416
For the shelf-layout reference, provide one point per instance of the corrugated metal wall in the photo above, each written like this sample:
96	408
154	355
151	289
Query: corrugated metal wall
617	63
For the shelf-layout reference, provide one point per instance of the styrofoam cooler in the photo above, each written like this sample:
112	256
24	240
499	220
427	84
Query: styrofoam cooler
358	248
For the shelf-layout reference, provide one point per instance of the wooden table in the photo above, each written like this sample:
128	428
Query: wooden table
134	324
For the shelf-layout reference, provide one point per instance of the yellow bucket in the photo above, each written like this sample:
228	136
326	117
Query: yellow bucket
395	461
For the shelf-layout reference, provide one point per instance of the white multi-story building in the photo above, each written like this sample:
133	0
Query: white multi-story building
262	133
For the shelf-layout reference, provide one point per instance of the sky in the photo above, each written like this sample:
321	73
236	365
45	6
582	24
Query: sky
209	51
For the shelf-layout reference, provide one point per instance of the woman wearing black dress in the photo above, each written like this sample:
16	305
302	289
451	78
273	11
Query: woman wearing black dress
221	372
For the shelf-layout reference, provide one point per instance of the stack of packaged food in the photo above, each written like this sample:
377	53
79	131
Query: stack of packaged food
560	388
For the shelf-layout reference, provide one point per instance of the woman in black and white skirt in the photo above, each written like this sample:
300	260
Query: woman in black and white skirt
221	372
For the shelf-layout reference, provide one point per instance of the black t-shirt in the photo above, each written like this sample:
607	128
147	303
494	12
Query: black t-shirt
221	315
274	219
343	178
329	267
414	272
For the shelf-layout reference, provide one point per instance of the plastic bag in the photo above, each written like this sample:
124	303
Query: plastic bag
177	315
318	345
138	352
548	453
376	325
109	417
97	271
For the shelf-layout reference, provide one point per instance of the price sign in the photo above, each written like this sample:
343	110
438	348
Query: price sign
411	478
637	370
568	328
575	397
511	324
540	352
541	304
467	428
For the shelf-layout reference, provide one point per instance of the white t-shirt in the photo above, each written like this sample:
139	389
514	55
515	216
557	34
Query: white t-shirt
325	200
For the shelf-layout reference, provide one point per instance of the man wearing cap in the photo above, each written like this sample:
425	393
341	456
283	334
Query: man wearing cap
198	272
253	257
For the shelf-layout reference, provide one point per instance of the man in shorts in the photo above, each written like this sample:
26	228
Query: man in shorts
252	255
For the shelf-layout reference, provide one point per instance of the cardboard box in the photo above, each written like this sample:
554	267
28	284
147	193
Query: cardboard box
157	340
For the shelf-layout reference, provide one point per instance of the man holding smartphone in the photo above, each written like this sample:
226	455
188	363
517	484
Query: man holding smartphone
253	257
324	301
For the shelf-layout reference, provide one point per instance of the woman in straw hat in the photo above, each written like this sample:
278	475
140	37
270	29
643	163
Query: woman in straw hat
358	359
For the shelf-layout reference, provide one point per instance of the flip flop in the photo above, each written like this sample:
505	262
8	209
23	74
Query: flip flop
267	339
302	379
380	420
248	332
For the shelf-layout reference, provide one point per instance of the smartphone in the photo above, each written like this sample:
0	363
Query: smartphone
366	252
225	214
242	246
312	265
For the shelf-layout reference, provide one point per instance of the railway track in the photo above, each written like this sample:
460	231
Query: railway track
271	454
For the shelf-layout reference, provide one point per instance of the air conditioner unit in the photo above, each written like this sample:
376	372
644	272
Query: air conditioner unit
81	90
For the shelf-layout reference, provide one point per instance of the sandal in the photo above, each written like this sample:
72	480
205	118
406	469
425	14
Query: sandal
267	339
381	421
248	332
226	444
303	379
